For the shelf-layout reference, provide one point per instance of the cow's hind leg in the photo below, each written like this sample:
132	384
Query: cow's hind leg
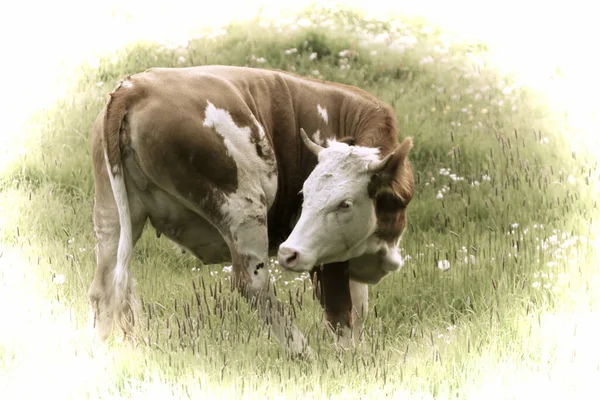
249	249
108	305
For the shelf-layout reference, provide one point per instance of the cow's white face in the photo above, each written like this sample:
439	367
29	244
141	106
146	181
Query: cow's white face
338	220
337	213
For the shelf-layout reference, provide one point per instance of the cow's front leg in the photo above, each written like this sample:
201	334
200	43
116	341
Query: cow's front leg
360	305
333	288
249	251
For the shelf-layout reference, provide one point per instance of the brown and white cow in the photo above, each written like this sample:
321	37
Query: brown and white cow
218	159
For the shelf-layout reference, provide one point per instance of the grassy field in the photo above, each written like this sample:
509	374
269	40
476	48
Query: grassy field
499	297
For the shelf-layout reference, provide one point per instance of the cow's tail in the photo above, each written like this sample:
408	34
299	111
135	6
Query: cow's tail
115	112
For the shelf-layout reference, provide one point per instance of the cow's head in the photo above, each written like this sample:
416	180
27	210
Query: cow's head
354	206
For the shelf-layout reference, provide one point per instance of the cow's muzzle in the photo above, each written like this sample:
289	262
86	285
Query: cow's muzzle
288	258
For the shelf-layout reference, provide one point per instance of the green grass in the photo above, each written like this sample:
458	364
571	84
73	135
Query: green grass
516	221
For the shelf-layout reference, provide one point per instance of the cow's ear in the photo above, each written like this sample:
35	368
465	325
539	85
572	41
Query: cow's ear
394	172
349	140
400	157
392	162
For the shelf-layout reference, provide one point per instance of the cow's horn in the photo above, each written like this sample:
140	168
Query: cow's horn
379	165
312	146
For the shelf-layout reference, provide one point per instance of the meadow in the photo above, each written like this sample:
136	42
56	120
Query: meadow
498	298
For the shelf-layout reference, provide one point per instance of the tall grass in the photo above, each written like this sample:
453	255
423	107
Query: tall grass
502	269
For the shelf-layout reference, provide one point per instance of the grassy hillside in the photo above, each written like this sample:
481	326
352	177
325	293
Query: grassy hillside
501	199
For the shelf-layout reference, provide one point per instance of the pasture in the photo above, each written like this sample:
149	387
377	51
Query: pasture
498	298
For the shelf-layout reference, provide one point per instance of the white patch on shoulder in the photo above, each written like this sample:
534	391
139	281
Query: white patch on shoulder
257	185
238	140
323	112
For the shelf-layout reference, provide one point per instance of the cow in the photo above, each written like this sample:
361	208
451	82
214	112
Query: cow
219	159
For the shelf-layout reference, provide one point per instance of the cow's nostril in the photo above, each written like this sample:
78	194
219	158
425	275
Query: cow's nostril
288	258
292	258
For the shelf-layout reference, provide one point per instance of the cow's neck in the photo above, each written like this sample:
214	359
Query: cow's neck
350	112
338	111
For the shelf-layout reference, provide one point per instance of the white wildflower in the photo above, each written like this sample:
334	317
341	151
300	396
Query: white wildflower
571	179
313	56
181	59
304	22
515	225
261	60
291	51
426	60
345	53
440	195
407	40
315	72
535	285
441	50
381	38
485	178
227	268
443	265
475	183
59	279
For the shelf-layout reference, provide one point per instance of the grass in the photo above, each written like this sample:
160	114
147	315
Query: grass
500	197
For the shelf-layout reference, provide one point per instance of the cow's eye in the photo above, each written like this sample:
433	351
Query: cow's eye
344	205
